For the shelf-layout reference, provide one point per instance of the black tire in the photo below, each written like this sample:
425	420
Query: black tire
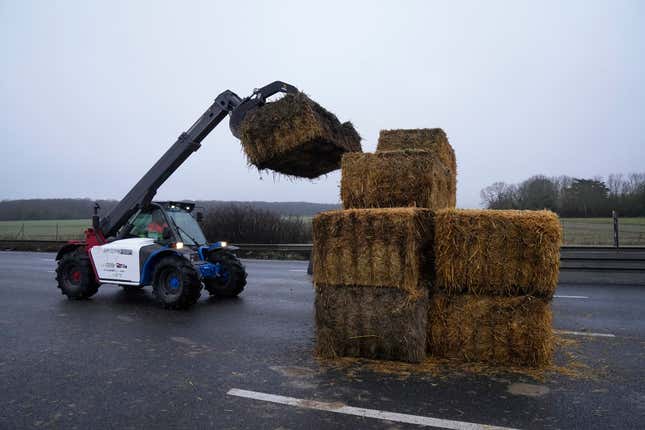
175	283
75	275
234	281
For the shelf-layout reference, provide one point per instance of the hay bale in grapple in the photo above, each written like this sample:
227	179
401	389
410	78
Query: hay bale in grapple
397	179
374	247
296	136
370	322
496	330
495	252
433	140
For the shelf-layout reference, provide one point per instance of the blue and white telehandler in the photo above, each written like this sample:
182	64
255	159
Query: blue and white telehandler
141	242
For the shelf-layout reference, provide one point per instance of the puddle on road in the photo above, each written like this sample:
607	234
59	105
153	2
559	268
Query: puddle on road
531	390
299	377
182	340
294	371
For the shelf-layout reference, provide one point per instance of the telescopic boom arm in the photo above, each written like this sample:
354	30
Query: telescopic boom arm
188	142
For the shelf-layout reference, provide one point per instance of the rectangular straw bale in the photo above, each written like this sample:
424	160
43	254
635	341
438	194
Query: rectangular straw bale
370	322
495	252
496	330
374	247
397	179
433	140
296	136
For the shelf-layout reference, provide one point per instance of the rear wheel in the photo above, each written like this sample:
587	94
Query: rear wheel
175	283
233	275
75	275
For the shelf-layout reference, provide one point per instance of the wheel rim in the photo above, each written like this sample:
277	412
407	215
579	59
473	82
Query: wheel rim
171	283
73	276
224	274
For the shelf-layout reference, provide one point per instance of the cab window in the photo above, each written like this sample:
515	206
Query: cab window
150	224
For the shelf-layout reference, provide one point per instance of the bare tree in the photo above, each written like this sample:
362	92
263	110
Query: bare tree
572	196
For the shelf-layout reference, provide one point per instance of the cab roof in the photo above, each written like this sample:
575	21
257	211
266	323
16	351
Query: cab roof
187	206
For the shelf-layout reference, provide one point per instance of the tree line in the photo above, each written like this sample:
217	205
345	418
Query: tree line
51	209
571	197
244	223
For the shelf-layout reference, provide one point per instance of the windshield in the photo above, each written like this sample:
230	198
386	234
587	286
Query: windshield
187	227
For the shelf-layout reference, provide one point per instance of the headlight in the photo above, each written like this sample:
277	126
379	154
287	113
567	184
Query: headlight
224	244
179	245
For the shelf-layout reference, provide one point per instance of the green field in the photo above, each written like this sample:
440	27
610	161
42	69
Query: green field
44	229
599	231
577	231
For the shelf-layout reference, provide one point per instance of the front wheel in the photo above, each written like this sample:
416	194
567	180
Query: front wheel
75	276
175	283
232	277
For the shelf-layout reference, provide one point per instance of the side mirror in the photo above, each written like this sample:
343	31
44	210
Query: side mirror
167	233
199	217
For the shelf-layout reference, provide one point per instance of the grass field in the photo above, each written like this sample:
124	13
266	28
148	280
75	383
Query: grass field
599	231
44	229
577	231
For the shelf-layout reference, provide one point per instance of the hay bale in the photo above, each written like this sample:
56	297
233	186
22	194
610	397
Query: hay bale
296	136
397	179
493	252
496	330
433	140
374	247
370	322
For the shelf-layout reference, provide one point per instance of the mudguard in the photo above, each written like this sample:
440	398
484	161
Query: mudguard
68	247
148	267
205	250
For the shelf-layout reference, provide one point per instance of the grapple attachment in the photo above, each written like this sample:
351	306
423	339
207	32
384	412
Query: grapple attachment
293	135
257	99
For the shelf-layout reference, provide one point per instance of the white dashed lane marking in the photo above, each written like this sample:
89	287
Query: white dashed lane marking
340	408
583	333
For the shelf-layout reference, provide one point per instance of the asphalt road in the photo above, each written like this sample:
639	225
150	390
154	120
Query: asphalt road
119	361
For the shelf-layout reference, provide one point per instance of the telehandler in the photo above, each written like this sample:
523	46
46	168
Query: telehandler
141	242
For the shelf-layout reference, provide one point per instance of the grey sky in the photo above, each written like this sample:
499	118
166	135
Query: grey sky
91	93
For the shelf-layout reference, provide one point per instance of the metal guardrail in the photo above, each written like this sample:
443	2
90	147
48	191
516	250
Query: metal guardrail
596	258
285	247
46	245
31	245
602	258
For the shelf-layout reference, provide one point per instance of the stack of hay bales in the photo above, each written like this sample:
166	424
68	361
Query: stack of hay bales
420	170
399	259
495	274
373	260
371	276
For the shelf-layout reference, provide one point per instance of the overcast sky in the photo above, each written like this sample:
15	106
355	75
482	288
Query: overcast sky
92	93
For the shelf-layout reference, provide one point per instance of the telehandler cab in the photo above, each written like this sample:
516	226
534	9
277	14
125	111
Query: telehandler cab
141	242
